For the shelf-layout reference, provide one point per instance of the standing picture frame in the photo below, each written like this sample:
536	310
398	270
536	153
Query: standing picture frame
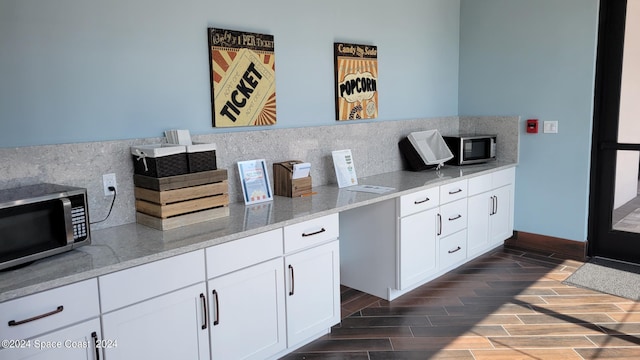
254	179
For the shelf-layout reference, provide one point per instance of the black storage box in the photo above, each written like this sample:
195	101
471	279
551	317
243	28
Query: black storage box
201	157
159	160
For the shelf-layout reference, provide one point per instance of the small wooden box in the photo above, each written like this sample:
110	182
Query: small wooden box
285	185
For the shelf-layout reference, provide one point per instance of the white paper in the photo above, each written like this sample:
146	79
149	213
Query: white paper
370	189
301	170
181	137
345	168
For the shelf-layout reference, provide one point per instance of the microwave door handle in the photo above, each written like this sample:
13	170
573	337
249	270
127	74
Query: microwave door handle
68	223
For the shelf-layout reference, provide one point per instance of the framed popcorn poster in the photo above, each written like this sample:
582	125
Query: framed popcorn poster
243	86
356	81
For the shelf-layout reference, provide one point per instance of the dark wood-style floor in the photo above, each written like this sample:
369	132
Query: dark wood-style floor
506	305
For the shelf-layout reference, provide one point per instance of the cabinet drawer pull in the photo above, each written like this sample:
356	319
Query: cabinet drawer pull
203	299
455	217
216	319
94	336
455	250
455	191
314	233
292	281
417	202
16	323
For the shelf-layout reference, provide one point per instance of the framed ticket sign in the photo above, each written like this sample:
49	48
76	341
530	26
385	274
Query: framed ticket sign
255	181
243	86
356	81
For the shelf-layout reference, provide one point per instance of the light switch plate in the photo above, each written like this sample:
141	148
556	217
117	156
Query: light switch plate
550	127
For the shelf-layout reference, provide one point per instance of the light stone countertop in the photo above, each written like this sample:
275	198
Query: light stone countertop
129	245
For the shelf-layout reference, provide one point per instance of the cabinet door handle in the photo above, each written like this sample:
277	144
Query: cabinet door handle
292	280
94	336
16	323
455	191
495	211
455	250
203	300
439	232
216	303
493	205
455	217
314	233
417	202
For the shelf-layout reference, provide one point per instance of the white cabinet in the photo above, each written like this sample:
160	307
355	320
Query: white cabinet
171	326
312	272
313	292
76	342
417	247
61	323
490	210
39	313
157	310
247	297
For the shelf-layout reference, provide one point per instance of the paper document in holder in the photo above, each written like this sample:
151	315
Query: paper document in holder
430	146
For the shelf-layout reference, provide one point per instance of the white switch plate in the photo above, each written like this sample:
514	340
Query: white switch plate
550	127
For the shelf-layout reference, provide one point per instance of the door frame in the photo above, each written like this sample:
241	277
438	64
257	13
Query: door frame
603	241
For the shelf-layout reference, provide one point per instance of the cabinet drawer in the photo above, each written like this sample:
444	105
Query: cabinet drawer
480	184
503	177
453	191
309	233
453	217
142	282
453	249
419	201
241	253
49	310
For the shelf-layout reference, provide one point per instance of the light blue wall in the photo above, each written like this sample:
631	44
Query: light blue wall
87	70
536	58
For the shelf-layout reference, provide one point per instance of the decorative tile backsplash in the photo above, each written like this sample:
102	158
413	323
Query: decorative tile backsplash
374	146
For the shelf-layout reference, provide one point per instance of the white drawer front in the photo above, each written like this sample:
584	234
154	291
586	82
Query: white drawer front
504	177
453	249
62	306
241	253
309	233
453	191
142	282
479	184
419	201
453	217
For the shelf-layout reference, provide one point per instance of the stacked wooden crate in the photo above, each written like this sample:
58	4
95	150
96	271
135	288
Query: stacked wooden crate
174	201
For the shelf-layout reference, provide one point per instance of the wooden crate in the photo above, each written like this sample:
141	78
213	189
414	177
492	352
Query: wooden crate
171	202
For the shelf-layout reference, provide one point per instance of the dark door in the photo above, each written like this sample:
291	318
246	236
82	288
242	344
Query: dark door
614	212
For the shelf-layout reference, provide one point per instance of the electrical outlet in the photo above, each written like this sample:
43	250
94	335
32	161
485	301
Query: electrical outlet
109	180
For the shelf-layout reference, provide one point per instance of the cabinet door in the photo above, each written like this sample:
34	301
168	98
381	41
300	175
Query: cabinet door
479	211
502	216
76	342
171	326
313	291
247	312
417	247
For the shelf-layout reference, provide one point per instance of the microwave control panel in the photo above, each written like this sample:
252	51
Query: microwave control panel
79	222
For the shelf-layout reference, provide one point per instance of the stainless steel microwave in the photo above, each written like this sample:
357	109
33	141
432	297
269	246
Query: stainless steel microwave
471	149
41	220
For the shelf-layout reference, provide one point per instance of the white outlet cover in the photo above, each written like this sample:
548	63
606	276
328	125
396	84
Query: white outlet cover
109	180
